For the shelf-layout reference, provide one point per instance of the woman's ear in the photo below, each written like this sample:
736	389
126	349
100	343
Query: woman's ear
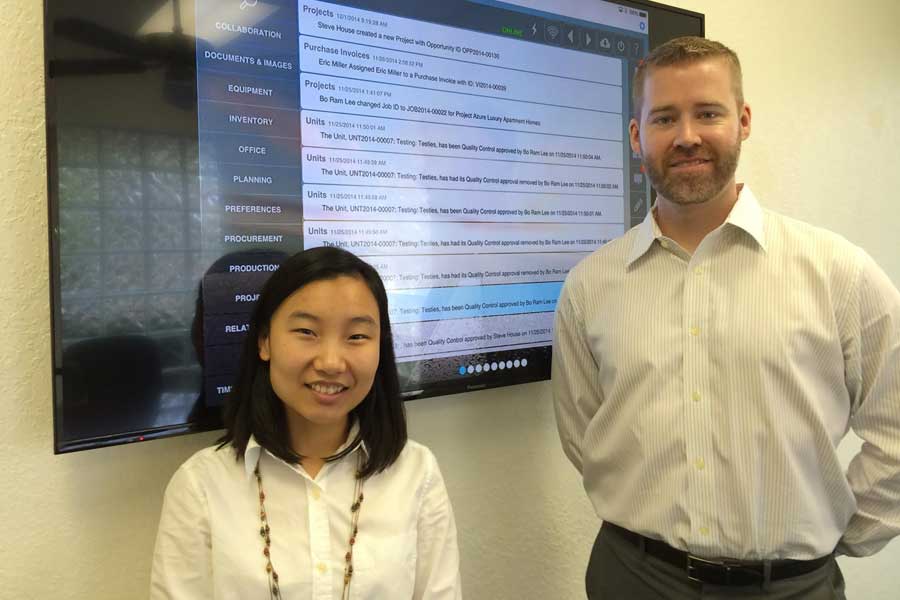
263	345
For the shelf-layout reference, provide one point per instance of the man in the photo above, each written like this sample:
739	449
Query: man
707	364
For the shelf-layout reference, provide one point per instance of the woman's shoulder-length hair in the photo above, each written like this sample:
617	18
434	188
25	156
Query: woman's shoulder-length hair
253	409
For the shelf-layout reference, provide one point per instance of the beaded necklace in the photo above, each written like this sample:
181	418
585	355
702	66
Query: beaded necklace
265	532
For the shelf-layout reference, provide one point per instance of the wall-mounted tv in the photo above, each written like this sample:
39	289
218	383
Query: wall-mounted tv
472	151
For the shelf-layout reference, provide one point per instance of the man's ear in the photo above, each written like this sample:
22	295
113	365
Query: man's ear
634	136
745	121
263	345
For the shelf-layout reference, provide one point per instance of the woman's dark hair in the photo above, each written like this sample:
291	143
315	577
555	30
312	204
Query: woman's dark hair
253	408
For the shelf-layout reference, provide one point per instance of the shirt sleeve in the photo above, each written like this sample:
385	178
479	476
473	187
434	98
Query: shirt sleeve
574	376
872	367
437	562
182	559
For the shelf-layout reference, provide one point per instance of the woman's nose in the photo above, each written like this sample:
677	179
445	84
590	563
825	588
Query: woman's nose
330	358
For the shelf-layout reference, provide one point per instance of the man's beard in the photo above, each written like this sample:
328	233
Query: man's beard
693	188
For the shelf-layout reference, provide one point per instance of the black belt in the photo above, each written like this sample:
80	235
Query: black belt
719	571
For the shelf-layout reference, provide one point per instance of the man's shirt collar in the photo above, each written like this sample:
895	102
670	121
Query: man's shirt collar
746	214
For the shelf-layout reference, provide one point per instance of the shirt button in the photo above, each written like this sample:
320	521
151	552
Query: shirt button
316	494
700	464
664	244
698	271
321	567
695	331
695	396
704	531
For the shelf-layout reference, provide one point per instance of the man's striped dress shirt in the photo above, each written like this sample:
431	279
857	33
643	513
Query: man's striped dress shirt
703	396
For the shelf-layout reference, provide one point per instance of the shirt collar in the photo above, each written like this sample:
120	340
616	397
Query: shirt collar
746	214
254	450
647	232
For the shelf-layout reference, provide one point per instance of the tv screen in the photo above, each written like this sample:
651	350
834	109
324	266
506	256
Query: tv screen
472	151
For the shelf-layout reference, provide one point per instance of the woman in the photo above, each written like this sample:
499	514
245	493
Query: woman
314	490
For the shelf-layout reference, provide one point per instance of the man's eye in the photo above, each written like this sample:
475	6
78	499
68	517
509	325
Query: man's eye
662	120
709	115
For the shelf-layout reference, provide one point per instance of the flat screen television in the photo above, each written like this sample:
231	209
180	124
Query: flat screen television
471	150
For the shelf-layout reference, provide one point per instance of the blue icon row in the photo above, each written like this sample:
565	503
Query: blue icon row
492	366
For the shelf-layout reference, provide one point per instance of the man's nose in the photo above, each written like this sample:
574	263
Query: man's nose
687	135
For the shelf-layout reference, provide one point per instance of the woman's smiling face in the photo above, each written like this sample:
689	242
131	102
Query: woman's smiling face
323	351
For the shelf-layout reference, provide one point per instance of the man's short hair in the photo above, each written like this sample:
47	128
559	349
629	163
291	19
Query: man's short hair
679	51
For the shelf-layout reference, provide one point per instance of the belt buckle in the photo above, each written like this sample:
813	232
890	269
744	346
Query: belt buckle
695	563
722	572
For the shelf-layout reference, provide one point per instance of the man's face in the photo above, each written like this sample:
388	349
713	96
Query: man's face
690	130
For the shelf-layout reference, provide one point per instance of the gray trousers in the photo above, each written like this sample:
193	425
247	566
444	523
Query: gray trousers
619	570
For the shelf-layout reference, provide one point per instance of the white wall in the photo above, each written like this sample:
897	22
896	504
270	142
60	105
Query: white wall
823	78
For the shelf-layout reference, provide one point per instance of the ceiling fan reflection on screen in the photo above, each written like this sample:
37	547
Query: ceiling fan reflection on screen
172	51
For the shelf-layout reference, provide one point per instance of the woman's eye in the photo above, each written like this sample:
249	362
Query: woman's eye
303	331
359	336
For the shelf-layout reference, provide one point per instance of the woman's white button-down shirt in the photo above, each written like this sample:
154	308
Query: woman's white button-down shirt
209	543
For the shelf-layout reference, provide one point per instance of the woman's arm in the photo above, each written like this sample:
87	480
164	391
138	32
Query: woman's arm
182	559
437	563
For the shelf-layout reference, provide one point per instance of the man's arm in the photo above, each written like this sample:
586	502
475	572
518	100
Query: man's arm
872	363
576	392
